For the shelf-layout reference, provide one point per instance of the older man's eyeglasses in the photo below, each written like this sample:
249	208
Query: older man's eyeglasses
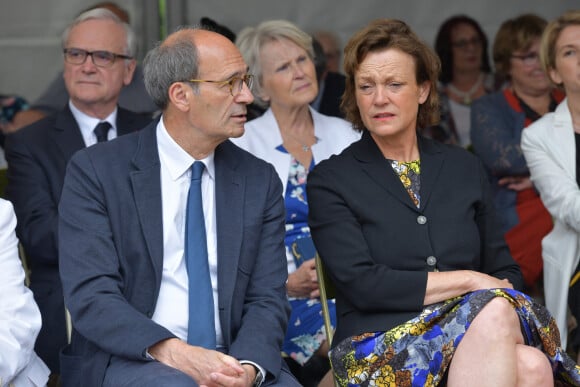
236	84
100	58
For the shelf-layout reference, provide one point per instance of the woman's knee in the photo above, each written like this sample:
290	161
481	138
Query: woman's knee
533	367
498	320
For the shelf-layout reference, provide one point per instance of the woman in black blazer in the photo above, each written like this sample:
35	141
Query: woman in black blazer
406	229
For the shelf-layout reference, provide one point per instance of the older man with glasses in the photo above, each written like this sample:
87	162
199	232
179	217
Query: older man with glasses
38	154
172	239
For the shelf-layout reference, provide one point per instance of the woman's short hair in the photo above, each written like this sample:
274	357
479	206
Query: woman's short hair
444	45
551	34
385	34
516	34
251	40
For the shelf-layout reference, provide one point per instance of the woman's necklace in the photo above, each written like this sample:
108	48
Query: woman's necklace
466	95
305	148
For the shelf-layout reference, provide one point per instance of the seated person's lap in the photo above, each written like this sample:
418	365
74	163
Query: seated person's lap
123	372
126	373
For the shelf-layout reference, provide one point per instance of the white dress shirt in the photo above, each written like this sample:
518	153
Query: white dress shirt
19	315
87	124
171	310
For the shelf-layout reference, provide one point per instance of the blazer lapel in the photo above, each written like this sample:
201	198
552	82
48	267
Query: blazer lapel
67	134
379	170
431	163
229	191
146	185
563	139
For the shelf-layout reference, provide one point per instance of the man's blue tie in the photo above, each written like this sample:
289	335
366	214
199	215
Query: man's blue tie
201	328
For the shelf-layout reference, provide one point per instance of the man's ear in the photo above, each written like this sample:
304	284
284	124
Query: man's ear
129	71
180	95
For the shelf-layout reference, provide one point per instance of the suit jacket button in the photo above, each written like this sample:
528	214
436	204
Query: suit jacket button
431	260
421	219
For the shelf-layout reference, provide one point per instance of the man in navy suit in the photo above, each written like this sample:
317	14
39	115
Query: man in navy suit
122	236
98	63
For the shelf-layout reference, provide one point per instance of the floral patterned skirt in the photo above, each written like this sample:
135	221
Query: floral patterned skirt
418	352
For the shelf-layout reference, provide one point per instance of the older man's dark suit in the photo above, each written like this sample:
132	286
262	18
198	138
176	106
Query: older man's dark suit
111	243
37	156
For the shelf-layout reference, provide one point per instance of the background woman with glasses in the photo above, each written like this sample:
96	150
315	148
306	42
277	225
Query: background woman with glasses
552	149
293	137
465	76
496	128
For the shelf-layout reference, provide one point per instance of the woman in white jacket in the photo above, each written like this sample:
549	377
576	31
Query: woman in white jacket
19	315
551	147
293	137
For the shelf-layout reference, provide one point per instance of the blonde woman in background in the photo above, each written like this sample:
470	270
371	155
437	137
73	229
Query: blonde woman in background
293	137
551	147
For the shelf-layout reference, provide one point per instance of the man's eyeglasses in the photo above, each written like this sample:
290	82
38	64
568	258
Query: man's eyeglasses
529	59
464	43
100	58
236	84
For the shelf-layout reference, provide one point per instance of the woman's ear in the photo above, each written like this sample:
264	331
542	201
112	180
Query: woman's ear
555	76
424	90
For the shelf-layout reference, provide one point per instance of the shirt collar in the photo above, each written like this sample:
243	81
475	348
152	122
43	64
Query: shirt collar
177	160
87	123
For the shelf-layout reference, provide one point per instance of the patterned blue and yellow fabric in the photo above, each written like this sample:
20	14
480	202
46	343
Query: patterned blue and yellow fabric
418	352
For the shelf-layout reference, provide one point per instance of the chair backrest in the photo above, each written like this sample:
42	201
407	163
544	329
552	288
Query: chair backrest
326	292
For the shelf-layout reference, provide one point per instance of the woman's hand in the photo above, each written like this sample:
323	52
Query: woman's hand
485	281
515	183
444	285
303	282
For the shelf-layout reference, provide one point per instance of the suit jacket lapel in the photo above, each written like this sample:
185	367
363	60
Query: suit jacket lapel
229	191
146	184
431	163
379	170
67	134
377	167
562	138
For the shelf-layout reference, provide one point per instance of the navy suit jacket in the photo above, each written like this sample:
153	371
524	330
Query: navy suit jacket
111	255
378	246
37	156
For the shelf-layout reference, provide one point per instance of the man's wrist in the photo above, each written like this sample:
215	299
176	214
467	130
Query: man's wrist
260	372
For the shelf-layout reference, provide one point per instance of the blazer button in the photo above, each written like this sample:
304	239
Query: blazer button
431	260
421	219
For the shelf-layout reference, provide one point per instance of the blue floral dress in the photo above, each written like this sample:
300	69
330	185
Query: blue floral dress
305	331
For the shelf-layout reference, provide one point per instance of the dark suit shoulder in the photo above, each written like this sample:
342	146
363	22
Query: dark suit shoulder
133	121
338	163
241	156
119	147
491	99
334	85
34	131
